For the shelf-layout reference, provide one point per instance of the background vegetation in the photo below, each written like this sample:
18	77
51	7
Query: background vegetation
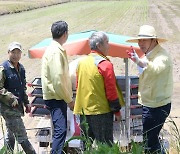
15	6
30	27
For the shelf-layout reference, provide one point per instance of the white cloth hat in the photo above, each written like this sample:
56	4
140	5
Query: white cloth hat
146	32
14	45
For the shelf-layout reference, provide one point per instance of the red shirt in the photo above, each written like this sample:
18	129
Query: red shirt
106	69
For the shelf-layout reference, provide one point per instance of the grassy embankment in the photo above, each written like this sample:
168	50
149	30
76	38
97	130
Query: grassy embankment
15	6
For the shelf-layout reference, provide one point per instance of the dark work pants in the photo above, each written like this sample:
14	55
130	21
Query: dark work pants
58	110
153	121
100	127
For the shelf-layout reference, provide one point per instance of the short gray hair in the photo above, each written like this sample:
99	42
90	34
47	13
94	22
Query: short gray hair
96	38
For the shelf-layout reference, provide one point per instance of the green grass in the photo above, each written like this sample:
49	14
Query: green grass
175	136
95	147
14	6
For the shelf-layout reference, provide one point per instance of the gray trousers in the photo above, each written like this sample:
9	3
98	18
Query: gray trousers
16	131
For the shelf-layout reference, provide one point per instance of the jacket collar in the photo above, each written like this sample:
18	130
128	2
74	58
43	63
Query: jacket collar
100	54
11	65
57	44
153	53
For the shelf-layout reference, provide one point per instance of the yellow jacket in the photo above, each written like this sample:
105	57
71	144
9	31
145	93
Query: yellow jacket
156	82
56	82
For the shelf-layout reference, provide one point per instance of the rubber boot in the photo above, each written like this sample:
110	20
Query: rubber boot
27	147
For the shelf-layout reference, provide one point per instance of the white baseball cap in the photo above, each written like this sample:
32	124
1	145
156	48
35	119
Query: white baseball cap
14	45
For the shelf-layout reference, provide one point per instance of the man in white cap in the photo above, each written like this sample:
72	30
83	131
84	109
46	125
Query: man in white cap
155	85
13	98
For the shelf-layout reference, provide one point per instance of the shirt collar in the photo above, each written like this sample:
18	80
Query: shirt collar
100	54
11	65
149	53
153	52
59	45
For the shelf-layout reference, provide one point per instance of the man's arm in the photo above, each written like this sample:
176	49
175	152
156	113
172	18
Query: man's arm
6	97
62	81
26	101
106	70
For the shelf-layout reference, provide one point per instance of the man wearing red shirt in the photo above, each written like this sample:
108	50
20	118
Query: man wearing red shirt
97	94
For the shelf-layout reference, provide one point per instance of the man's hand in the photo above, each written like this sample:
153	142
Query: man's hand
28	108
135	58
118	116
15	103
133	55
71	105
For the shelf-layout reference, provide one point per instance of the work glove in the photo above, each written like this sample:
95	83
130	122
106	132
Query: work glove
15	103
28	108
135	58
133	55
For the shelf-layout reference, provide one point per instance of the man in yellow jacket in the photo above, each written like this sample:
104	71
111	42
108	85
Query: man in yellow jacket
97	92
155	85
56	84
